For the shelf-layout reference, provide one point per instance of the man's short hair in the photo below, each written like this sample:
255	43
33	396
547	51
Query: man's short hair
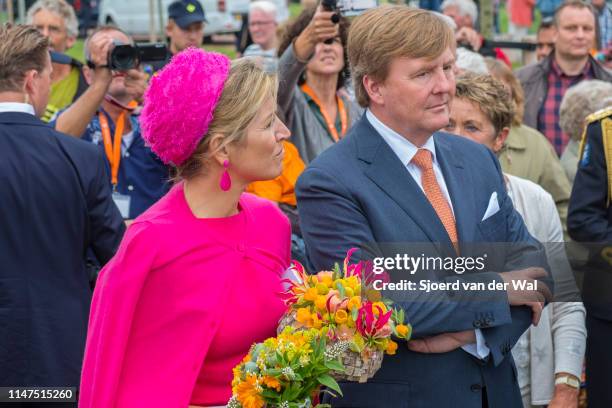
579	4
102	29
546	24
490	96
59	7
384	33
263	5
465	7
22	48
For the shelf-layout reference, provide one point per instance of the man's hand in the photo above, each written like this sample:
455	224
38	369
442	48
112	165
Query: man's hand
467	35
135	83
442	343
532	298
99	48
564	397
319	29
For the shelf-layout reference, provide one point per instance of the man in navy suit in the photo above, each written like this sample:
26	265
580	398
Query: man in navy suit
56	203
395	179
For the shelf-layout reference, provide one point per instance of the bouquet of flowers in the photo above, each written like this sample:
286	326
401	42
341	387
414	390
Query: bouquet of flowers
344	307
287	371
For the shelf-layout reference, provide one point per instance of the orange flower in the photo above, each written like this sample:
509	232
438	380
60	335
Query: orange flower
341	316
311	294
321	302
402	330
303	315
391	347
272	382
247	393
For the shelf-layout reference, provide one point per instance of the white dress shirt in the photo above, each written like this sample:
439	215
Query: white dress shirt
405	151
16	107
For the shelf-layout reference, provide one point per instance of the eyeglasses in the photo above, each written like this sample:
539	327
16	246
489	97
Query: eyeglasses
260	23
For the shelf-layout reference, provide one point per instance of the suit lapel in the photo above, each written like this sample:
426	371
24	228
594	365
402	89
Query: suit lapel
385	169
459	184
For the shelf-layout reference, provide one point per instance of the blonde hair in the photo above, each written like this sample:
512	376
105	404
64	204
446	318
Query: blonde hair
22	48
59	7
490	95
246	89
501	71
384	33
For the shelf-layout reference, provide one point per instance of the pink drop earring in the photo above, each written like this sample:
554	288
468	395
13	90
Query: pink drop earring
226	181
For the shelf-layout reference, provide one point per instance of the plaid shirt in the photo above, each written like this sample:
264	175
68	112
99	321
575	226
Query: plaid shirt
548	117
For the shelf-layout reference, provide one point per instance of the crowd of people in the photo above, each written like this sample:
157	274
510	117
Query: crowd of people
150	215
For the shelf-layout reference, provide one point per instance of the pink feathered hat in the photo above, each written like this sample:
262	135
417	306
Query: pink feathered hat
180	101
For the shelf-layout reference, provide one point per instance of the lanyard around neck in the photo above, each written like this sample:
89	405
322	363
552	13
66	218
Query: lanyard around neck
112	148
331	126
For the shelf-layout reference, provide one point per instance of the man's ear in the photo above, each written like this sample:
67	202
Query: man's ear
88	74
374	89
169	27
29	82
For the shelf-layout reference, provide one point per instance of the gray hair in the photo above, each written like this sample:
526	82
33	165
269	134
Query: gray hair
451	23
263	5
470	61
579	102
465	7
59	7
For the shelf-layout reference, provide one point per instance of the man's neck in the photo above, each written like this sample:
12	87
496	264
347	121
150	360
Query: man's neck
571	67
114	111
173	49
14	97
416	138
270	45
60	71
324	86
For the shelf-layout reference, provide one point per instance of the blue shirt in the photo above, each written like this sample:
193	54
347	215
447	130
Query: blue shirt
142	175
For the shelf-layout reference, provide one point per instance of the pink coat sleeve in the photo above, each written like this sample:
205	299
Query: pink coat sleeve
115	297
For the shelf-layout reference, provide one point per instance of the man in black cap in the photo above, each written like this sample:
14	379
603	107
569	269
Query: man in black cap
185	28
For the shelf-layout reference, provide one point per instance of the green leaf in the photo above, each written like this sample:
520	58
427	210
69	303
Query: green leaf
328	381
341	290
334	365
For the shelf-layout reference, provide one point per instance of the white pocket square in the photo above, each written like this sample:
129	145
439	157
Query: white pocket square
492	208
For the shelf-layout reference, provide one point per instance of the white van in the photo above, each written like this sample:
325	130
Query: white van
223	16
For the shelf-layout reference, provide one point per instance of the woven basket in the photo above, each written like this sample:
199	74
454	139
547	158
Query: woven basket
356	368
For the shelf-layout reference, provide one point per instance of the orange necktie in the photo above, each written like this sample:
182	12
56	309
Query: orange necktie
434	194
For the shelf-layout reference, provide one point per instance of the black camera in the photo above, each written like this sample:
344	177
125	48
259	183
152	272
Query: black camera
124	57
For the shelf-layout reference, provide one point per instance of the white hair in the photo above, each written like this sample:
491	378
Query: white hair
59	7
263	5
451	23
470	61
465	7
579	102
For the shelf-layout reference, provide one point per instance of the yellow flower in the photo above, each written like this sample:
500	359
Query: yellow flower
315	321
321	302
354	303
348	292
303	315
341	316
248	394
373	295
271	382
352	282
311	294
322	289
391	347
402	330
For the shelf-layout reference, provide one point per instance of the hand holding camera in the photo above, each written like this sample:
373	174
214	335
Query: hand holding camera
320	29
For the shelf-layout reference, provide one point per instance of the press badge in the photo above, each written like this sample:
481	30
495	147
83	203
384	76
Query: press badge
123	204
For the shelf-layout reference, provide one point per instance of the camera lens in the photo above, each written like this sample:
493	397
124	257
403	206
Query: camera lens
123	58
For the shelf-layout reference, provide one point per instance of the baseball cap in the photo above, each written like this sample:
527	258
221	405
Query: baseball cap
185	12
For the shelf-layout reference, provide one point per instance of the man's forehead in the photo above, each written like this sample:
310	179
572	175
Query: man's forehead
46	14
570	15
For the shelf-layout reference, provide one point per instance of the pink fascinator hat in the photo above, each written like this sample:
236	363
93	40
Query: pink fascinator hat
180	101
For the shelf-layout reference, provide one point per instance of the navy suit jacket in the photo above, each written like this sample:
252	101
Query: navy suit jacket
358	192
56	203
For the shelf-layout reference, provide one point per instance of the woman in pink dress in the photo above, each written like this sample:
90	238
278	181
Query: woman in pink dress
196	279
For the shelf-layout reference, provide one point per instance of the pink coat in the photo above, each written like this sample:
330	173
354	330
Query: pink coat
160	302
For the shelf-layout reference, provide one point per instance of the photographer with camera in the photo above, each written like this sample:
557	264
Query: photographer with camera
105	115
313	68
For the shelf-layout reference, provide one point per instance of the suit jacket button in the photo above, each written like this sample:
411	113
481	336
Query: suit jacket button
477	324
476	387
488	321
